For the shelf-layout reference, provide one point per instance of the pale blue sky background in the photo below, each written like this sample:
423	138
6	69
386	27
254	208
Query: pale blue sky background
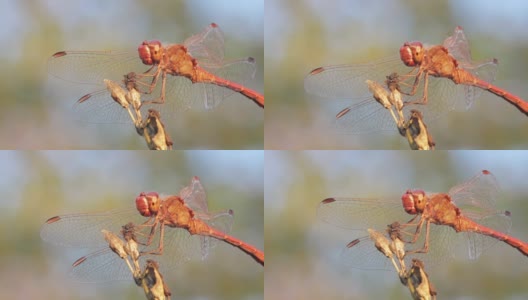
388	171
504	19
124	21
126	170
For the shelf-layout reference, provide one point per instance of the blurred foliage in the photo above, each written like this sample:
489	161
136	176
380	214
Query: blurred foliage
45	184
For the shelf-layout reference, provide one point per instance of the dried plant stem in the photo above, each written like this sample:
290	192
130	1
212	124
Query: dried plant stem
414	130
150	279
151	128
393	247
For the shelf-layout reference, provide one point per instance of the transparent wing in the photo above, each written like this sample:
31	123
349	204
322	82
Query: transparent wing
348	81
182	94
476	198
444	244
207	46
101	266
104	265
222	221
365	256
477	195
179	246
365	117
101	108
240	71
458	47
484	70
361	213
84	230
365	114
92	67
194	196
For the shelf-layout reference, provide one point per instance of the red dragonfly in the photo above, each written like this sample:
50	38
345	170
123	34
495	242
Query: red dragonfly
417	67
468	208
187	211
200	75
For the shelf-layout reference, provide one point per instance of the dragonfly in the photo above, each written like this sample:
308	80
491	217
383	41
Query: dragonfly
172	247
469	208
199	75
442	77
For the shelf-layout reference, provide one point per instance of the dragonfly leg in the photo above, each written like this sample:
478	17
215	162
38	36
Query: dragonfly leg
415	84
418	230
146	73
423	100
161	98
159	250
425	247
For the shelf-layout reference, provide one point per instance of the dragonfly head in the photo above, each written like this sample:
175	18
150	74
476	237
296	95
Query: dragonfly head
148	204
412	54
414	201
150	52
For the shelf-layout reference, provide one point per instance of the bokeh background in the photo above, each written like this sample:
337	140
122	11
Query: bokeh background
303	254
37	107
301	35
38	185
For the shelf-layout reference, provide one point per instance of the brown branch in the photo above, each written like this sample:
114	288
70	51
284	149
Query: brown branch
151	128
416	132
415	278
151	280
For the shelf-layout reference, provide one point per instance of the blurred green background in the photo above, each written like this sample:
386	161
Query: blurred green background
37	107
38	185
301	35
303	254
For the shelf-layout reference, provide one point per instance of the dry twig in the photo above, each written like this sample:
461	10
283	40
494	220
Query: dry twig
415	278
150	279
151	128
415	130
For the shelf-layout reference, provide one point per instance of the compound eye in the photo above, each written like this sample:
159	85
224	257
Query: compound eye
411	53
148	204
408	202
